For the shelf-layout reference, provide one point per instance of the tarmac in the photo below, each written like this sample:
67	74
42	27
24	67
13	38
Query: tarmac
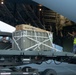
61	69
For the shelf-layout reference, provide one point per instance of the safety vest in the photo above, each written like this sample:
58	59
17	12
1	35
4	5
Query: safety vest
74	41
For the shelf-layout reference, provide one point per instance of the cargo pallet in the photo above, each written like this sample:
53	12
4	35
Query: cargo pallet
31	45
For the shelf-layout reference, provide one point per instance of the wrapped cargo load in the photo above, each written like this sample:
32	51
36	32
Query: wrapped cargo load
27	37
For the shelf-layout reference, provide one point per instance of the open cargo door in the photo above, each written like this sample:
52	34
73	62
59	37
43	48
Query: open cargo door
63	7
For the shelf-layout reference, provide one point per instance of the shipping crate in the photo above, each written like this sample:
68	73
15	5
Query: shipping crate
31	38
29	27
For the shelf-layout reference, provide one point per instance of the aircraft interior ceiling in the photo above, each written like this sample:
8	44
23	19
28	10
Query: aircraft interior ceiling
47	14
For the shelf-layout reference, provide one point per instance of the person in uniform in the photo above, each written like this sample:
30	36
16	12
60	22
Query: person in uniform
74	40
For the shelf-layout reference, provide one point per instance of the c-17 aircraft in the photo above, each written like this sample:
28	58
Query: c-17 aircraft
15	57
